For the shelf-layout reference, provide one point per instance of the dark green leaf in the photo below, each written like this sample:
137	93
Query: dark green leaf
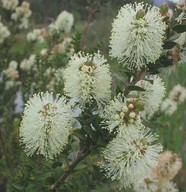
57	164
101	142
149	80
135	88
50	180
79	133
75	146
169	45
18	186
118	89
28	168
80	119
180	28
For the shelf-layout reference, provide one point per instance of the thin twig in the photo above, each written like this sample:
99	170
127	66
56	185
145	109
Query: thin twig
89	21
4	151
81	155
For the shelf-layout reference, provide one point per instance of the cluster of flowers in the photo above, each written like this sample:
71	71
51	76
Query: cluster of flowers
134	148
19	14
22	14
176	96
161	177
39	35
12	72
87	78
9	4
133	153
136	40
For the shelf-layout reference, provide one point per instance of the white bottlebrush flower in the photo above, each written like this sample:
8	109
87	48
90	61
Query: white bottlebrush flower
64	22
137	35
122	114
13	64
22	15
11	83
87	78
181	5
168	106
9	4
11	72
168	166
131	156
37	35
44	52
182	44
178	93
176	96
64	47
147	184
168	186
153	94
27	64
4	32
45	126
151	184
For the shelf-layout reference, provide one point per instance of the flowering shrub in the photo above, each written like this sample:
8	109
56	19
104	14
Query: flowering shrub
83	124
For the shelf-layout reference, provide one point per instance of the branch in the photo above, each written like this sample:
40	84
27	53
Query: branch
89	20
81	155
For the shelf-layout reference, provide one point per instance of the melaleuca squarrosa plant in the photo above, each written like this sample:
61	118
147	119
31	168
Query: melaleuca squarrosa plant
87	114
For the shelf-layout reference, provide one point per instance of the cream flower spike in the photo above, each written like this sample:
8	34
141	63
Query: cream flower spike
64	22
152	184
137	35
122	114
45	126
87	78
9	4
131	156
152	96
168	166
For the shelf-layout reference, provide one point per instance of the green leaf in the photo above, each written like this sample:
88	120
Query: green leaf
101	142
57	164
79	133
28	168
80	119
164	9
180	28
149	80
93	135
75	145
169	45
135	88
50	180
174	37
17	186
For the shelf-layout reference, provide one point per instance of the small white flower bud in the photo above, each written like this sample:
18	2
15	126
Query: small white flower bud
122	114
117	117
132	114
131	121
131	106
125	109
